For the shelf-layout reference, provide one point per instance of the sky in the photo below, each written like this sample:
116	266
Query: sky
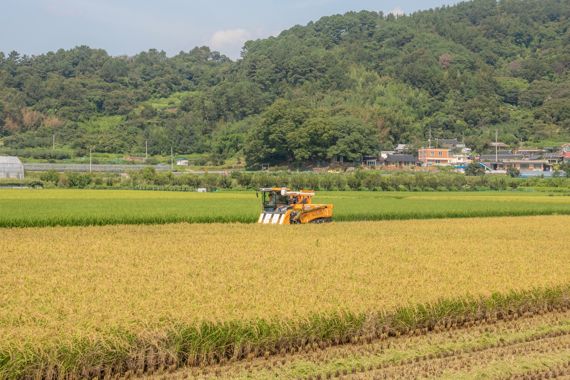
127	27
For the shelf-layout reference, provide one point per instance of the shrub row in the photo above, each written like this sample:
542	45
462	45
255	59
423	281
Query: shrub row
9	182
38	154
359	180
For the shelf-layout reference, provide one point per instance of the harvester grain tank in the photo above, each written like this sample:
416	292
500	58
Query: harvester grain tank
282	206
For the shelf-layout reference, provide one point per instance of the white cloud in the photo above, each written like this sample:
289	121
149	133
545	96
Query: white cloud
397	12
231	41
229	38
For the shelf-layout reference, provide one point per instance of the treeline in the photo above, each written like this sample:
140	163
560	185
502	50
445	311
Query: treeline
340	87
149	179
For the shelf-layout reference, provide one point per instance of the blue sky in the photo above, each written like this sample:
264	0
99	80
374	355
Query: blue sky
130	26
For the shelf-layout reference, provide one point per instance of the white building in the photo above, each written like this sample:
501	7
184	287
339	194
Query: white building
11	167
385	153
460	159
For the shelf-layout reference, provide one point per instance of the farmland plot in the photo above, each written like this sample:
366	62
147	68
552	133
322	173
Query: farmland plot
33	208
80	300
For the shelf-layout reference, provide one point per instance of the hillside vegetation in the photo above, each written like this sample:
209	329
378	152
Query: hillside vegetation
343	86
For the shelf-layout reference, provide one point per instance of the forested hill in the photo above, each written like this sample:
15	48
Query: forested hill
345	85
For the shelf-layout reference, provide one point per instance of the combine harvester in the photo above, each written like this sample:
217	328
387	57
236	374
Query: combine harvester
282	206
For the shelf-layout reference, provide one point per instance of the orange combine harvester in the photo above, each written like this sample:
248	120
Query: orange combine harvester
282	206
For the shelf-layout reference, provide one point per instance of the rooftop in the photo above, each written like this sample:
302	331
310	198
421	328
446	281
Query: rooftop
503	156
400	158
498	144
526	161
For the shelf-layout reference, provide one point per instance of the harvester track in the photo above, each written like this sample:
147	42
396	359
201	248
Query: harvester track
530	347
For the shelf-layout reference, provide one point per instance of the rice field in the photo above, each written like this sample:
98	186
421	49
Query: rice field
523	348
37	208
114	300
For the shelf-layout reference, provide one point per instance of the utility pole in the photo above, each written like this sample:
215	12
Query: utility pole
171	158
53	142
90	160
146	149
496	145
429	140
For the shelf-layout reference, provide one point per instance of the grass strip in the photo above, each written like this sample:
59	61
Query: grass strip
127	352
448	214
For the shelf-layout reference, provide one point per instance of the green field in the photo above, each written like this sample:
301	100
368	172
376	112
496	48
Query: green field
23	208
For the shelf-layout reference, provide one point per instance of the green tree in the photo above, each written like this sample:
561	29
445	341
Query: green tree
50	176
3	132
565	167
474	169
461	71
513	172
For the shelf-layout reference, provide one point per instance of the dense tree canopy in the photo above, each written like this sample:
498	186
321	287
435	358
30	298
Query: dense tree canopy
343	86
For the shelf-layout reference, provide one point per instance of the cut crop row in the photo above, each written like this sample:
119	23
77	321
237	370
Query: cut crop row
211	343
468	349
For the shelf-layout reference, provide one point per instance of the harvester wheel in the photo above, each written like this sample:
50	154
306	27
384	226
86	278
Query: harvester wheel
321	221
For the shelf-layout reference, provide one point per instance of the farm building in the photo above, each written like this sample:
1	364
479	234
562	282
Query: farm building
182	162
11	167
400	160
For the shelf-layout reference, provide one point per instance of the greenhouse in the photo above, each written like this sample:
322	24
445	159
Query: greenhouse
11	167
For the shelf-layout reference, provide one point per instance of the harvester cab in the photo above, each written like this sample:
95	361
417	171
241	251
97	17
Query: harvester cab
282	206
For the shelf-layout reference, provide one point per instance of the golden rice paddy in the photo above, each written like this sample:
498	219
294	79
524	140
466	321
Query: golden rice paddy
56	283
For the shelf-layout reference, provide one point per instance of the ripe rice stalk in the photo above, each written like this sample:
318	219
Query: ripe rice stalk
81	300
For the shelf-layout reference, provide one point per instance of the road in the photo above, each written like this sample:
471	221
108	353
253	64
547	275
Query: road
108	168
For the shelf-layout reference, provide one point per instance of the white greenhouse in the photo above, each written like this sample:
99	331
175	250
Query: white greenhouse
11	167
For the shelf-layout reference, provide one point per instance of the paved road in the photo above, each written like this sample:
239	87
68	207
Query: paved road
107	168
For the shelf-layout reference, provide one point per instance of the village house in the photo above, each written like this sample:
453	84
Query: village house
370	160
400	160
554	158
496	161
529	165
524	165
434	157
460	159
